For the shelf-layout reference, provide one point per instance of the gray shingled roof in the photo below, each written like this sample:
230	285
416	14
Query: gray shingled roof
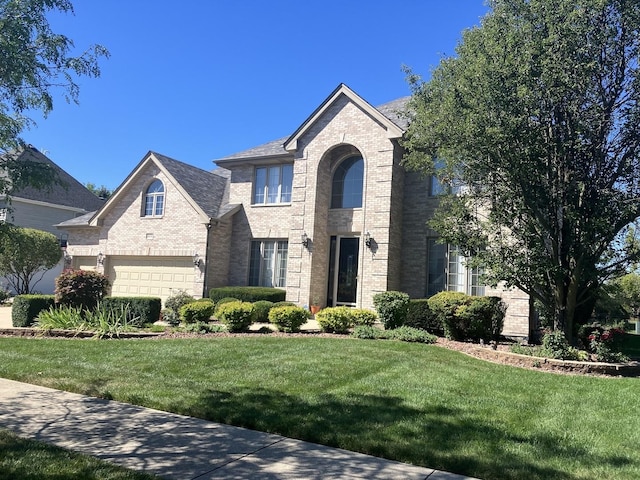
206	188
70	192
392	110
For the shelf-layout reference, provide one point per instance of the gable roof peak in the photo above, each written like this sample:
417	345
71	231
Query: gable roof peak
393	130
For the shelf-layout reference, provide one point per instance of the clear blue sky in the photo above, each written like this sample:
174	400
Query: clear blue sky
198	80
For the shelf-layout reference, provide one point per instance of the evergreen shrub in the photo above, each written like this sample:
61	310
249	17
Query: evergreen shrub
140	311
261	310
26	308
237	316
197	312
288	318
248	294
392	308
335	319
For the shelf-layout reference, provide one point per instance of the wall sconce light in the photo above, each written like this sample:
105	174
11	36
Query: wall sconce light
100	258
196	260
367	239
305	240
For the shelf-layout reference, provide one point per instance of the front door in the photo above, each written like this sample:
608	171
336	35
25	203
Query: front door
343	270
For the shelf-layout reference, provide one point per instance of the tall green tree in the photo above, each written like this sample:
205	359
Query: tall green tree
35	63
25	256
537	116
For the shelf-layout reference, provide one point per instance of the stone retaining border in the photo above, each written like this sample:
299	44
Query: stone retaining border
631	369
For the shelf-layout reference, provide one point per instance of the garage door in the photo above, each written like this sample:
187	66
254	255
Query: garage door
150	276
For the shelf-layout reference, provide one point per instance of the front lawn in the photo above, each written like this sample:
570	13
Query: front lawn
409	402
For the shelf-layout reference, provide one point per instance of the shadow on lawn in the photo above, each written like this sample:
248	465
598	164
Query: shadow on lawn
441	438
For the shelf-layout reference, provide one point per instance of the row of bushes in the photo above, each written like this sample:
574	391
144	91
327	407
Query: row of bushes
139	311
456	315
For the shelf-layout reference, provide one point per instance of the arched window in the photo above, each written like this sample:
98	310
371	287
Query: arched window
347	182
154	199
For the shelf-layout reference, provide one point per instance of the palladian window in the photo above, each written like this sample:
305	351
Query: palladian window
347	183
154	199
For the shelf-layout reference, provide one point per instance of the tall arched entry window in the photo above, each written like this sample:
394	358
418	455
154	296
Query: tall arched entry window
346	187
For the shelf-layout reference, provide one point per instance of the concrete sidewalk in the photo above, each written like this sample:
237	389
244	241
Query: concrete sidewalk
179	447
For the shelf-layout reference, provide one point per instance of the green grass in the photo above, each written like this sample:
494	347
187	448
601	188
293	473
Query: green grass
22	459
408	402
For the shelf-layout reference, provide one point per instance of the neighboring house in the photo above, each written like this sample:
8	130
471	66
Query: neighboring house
42	209
328	214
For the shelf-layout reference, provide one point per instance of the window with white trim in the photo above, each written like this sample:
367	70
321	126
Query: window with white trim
154	199
446	270
268	263
272	184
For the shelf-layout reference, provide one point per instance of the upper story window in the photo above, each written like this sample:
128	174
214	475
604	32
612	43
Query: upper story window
347	183
437	187
272	184
154	199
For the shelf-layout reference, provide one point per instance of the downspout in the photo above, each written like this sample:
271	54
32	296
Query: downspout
364	229
206	256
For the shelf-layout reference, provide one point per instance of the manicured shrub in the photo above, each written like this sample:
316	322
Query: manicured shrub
444	306
410	334
481	318
335	319
464	317
237	316
26	308
141	311
419	315
288	318
199	311
283	303
362	316
261	310
392	308
368	332
81	288
248	294
226	300
171	312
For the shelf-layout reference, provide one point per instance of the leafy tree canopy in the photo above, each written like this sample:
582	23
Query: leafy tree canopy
101	191
25	255
537	117
35	62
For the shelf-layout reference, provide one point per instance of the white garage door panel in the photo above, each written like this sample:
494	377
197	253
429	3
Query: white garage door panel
150	276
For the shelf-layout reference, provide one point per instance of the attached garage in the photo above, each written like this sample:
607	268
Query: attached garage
84	262
150	276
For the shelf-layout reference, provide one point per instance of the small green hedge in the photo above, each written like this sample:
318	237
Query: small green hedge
198	311
464	317
419	315
141	310
288	318
237	316
261	310
392	308
335	319
248	294
26	308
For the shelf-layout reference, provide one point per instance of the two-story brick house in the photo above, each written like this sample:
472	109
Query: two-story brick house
328	213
